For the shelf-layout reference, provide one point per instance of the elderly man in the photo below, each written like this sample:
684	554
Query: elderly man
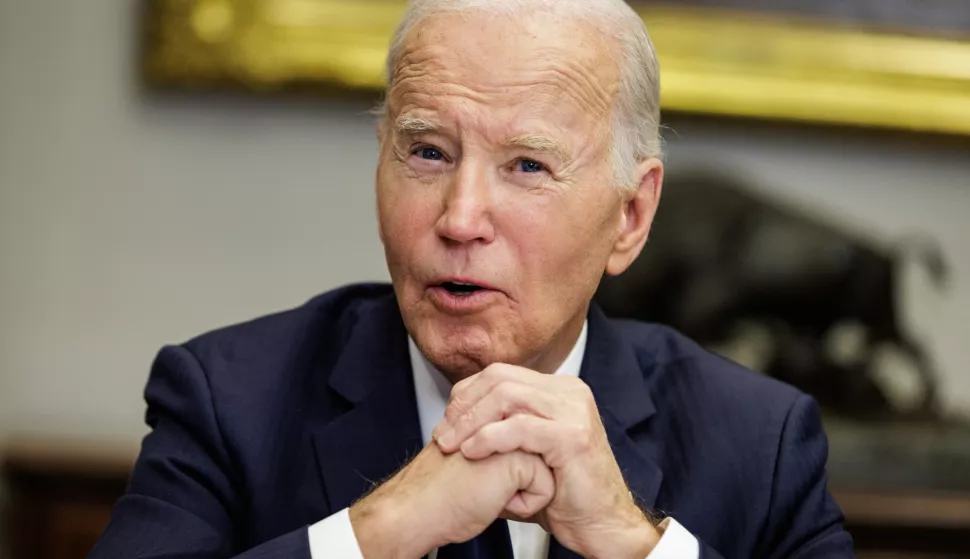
484	407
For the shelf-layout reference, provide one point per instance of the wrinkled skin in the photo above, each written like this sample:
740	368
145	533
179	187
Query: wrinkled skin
495	170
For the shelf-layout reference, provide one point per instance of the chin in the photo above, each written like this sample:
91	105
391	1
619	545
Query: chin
455	367
457	350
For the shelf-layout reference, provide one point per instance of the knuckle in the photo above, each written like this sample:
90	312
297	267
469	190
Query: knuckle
506	390
492	371
459	388
467	419
499	372
519	422
582	437
583	389
458	401
454	410
508	398
488	433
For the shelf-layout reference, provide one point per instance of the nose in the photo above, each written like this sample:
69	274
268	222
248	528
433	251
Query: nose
467	204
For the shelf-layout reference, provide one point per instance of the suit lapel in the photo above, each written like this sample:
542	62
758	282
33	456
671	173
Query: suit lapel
369	443
611	370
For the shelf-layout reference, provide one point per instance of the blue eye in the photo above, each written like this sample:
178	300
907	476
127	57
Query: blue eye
431	154
530	166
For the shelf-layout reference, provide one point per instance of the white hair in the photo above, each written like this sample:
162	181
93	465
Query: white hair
636	109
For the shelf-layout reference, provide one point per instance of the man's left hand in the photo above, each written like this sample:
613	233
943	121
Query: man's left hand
506	408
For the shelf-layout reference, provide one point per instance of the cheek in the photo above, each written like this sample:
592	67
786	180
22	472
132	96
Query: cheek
406	212
540	243
561	247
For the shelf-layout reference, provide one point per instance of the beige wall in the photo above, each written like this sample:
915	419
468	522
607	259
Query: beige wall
126	223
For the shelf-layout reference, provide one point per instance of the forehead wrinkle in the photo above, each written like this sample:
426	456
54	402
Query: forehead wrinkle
425	91
443	94
589	76
558	80
584	86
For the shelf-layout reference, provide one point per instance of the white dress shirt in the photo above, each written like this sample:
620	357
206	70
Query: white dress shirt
333	537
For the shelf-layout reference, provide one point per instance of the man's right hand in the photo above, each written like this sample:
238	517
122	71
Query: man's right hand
437	499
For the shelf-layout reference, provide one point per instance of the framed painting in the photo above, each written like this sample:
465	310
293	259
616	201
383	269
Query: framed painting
896	64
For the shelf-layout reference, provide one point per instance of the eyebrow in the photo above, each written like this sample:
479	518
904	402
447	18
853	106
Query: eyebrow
408	124
538	142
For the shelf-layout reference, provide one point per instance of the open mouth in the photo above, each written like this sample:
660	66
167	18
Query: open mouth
457	288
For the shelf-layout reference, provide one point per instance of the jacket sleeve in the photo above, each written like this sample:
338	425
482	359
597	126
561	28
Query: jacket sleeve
803	522
184	499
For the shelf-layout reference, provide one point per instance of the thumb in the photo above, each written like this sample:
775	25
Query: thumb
537	487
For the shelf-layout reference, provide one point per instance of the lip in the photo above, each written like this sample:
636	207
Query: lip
450	303
463	279
474	302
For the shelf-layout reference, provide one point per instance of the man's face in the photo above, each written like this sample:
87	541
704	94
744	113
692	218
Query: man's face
495	172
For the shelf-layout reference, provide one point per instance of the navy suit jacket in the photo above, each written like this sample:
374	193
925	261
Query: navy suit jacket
261	429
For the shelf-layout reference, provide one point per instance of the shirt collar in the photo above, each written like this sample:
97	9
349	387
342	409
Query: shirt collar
432	389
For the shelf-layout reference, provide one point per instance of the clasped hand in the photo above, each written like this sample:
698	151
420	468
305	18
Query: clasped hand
514	444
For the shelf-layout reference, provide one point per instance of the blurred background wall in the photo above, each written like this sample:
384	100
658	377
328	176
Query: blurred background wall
129	221
126	223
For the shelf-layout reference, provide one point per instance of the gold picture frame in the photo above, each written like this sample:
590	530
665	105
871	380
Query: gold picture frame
713	61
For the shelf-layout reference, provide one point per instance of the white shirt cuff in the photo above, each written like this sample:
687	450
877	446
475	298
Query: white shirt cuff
675	542
334	538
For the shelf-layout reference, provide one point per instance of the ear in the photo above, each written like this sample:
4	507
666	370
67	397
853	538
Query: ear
638	208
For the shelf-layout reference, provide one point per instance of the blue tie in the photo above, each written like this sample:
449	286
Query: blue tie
493	543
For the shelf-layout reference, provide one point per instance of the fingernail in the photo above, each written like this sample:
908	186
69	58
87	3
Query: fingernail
448	438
